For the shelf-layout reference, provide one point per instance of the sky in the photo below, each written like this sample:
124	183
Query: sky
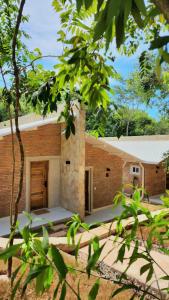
43	26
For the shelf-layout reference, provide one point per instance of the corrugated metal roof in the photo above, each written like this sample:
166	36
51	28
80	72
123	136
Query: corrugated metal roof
33	120
148	151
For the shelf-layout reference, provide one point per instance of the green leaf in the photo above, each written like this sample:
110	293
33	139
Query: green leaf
94	290
136	15
77	248
145	268
93	259
14	274
121	253
123	288
37	246
127	10
141	6
165	277
113	8
150	273
159	42
99	4
73	129
33	273
15	288
56	5
45	241
10	251
25	234
119	29
56	291
100	26
59	262
88	3
79	4
63	292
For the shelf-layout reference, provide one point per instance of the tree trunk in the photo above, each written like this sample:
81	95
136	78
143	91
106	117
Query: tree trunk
18	134
163	6
127	128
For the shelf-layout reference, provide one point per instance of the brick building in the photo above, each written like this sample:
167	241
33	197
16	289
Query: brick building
144	165
80	174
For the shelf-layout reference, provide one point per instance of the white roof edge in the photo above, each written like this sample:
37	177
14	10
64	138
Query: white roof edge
57	118
100	140
92	138
38	123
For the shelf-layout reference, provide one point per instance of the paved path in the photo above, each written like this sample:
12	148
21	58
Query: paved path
110	253
104	215
55	215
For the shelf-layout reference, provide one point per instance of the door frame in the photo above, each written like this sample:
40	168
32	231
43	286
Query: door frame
50	195
90	170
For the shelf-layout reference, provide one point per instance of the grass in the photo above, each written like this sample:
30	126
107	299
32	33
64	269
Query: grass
106	287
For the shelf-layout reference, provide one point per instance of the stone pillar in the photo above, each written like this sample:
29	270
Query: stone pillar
73	167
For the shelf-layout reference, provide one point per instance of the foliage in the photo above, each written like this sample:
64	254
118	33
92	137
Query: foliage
95	25
124	121
128	22
42	262
82	71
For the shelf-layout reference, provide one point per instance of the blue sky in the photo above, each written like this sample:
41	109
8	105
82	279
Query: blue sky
43	26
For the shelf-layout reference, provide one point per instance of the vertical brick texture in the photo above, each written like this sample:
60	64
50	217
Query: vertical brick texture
155	179
45	141
104	188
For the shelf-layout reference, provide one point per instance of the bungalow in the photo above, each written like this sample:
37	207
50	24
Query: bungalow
81	174
144	165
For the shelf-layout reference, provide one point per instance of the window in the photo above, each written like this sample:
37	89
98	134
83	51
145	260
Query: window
135	170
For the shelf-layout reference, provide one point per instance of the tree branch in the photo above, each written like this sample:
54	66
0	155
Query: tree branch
13	149
163	6
38	58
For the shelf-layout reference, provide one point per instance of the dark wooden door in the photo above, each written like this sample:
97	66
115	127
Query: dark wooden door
87	190
39	185
167	181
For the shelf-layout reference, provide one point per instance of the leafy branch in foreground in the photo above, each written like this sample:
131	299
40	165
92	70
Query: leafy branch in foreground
42	263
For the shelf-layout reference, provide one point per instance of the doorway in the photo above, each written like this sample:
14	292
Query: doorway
39	185
88	191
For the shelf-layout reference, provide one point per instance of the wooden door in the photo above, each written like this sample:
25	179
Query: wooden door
87	191
39	185
167	181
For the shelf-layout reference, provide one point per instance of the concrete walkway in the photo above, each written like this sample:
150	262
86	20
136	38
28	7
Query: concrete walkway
108	264
54	215
156	200
104	215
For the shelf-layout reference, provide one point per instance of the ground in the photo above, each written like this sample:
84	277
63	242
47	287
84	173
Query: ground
144	231
151	207
105	290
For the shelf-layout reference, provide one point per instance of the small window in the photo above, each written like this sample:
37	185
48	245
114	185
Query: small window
135	170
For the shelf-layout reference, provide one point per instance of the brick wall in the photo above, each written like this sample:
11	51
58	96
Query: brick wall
128	177
104	188
155	179
45	141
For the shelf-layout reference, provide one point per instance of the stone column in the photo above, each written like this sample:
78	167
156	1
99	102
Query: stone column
73	167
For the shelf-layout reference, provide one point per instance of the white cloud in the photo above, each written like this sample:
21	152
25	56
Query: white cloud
42	26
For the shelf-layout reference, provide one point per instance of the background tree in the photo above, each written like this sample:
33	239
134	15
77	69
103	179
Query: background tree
124	121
